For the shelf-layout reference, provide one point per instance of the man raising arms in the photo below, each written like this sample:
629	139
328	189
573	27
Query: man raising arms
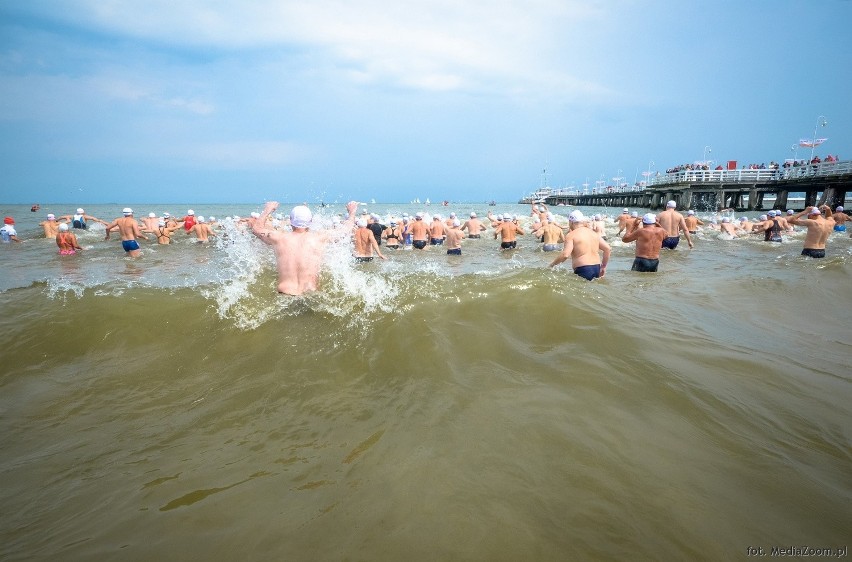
673	223
584	246
299	253
649	241
818	230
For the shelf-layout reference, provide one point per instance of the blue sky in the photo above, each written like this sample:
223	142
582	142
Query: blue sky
216	101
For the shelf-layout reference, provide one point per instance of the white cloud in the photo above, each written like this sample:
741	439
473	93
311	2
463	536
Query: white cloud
438	45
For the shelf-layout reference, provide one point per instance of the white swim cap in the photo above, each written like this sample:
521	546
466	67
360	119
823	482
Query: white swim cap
690	212
190	212
127	211
51	216
814	211
200	218
499	217
507	217
166	215
473	215
791	211
839	209
763	217
671	205
634	214
770	214
393	222
255	215
452	215
152	215
598	217
63	227
649	218
743	219
726	219
576	216
161	223
419	215
212	219
300	217
456	222
361	223
80	211
625	211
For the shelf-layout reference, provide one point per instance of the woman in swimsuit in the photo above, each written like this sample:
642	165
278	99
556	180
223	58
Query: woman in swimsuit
67	241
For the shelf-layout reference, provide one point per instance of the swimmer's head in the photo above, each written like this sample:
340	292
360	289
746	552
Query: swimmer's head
792	212
393	222
671	205
166	215
200	218
763	217
456	223
51	217
473	215
300	217
507	218
743	219
190	212
839	208
770	214
499	217
80	211
212	219
726	219
814	211
255	215
452	215
690	212
625	212
361	223
161	222
598	217
419	216
152	215
8	220
649	218
576	216
63	227
634	214
127	211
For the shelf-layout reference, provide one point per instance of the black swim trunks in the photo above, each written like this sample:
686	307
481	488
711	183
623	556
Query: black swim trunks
419	244
363	259
436	241
645	265
508	245
454	252
474	236
813	252
670	242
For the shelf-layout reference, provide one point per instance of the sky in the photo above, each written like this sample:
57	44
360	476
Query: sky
120	101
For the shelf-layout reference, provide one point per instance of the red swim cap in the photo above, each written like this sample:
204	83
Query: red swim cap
9	220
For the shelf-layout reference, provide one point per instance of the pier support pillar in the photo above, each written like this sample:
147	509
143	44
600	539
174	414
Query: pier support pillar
810	198
686	199
781	198
752	200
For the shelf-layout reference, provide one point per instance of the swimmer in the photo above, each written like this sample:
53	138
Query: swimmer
150	222
129	229
589	252
551	237
80	219
51	225
67	241
840	219
454	238
419	232
437	231
624	220
692	222
365	242
202	231
819	228
7	232
674	223
649	242
508	231
299	254
392	235
163	232
770	226
474	227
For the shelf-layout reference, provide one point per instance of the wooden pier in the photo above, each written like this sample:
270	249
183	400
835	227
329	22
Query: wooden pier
743	190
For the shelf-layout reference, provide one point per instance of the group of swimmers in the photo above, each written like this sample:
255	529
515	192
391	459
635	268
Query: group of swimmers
299	250
163	227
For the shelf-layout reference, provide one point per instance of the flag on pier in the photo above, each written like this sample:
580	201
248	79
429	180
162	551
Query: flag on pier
810	143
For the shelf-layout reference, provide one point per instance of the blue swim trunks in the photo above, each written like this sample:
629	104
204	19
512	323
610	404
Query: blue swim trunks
550	247
588	272
840	228
671	242
130	245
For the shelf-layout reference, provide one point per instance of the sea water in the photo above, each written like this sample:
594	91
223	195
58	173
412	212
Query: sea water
427	407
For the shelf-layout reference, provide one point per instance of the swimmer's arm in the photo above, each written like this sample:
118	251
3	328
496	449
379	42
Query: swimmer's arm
109	228
566	253
631	236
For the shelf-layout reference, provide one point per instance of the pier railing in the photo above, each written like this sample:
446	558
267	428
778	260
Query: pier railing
752	176
722	176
